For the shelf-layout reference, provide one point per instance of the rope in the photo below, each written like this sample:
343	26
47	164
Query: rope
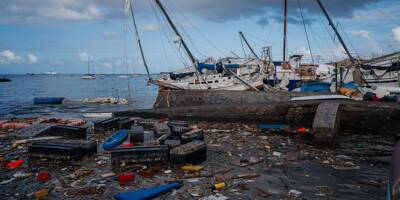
159	21
305	30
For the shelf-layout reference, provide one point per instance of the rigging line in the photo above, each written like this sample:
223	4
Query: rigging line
200	33
126	55
243	49
178	49
164	52
160	21
177	15
348	38
305	30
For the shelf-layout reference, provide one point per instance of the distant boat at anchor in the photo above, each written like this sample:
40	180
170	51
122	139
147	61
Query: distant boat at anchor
88	76
50	73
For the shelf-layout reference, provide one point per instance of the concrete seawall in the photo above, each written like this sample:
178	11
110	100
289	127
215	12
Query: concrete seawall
355	117
182	98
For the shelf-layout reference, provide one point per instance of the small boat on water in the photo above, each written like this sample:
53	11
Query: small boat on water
88	76
124	76
48	100
50	73
115	140
4	79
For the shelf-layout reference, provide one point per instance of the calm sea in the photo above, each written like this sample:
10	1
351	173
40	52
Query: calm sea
16	97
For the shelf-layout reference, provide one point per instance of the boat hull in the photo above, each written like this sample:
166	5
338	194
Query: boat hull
48	100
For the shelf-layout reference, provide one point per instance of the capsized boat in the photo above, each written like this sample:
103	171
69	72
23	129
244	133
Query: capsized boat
225	74
48	100
115	140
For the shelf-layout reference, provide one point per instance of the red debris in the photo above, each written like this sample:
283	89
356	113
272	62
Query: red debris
127	145
15	164
14	125
302	130
126	177
375	98
149	173
43	176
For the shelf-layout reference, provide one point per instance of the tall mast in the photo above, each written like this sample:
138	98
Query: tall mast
248	45
336	32
138	41
284	31
88	65
352	60
192	59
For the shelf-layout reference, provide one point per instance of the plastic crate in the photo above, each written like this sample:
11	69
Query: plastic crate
140	154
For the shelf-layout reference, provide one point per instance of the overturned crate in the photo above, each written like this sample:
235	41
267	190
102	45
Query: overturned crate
63	149
146	123
125	123
140	154
192	152
137	134
196	134
70	132
54	151
108	124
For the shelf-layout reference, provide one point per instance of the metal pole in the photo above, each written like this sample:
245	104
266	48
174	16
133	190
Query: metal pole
352	60
336	32
336	77
176	32
284	31
138	41
248	45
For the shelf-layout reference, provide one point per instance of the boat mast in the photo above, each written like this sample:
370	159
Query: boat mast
189	53
138	41
248	45
284	31
352	60
88	65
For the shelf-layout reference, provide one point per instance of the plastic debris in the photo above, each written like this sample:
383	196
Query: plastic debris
147	193
215	197
295	193
126	177
219	186
108	175
41	194
43	176
15	164
192	168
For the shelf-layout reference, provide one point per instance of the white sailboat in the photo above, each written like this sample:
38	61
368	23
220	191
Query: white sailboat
224	74
88	76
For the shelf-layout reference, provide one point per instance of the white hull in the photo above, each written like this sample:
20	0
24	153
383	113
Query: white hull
88	77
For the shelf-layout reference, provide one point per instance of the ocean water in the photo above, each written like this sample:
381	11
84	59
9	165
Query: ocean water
16	97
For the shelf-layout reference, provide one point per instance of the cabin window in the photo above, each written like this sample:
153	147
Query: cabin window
216	81
203	82
209	82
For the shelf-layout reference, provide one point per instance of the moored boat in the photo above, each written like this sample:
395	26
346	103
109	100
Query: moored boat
48	100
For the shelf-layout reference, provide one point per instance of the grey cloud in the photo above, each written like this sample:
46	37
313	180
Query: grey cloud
212	10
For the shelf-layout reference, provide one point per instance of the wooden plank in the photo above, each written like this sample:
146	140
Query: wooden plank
326	122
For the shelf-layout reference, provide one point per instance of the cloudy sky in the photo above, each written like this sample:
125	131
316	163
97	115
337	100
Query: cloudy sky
42	35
